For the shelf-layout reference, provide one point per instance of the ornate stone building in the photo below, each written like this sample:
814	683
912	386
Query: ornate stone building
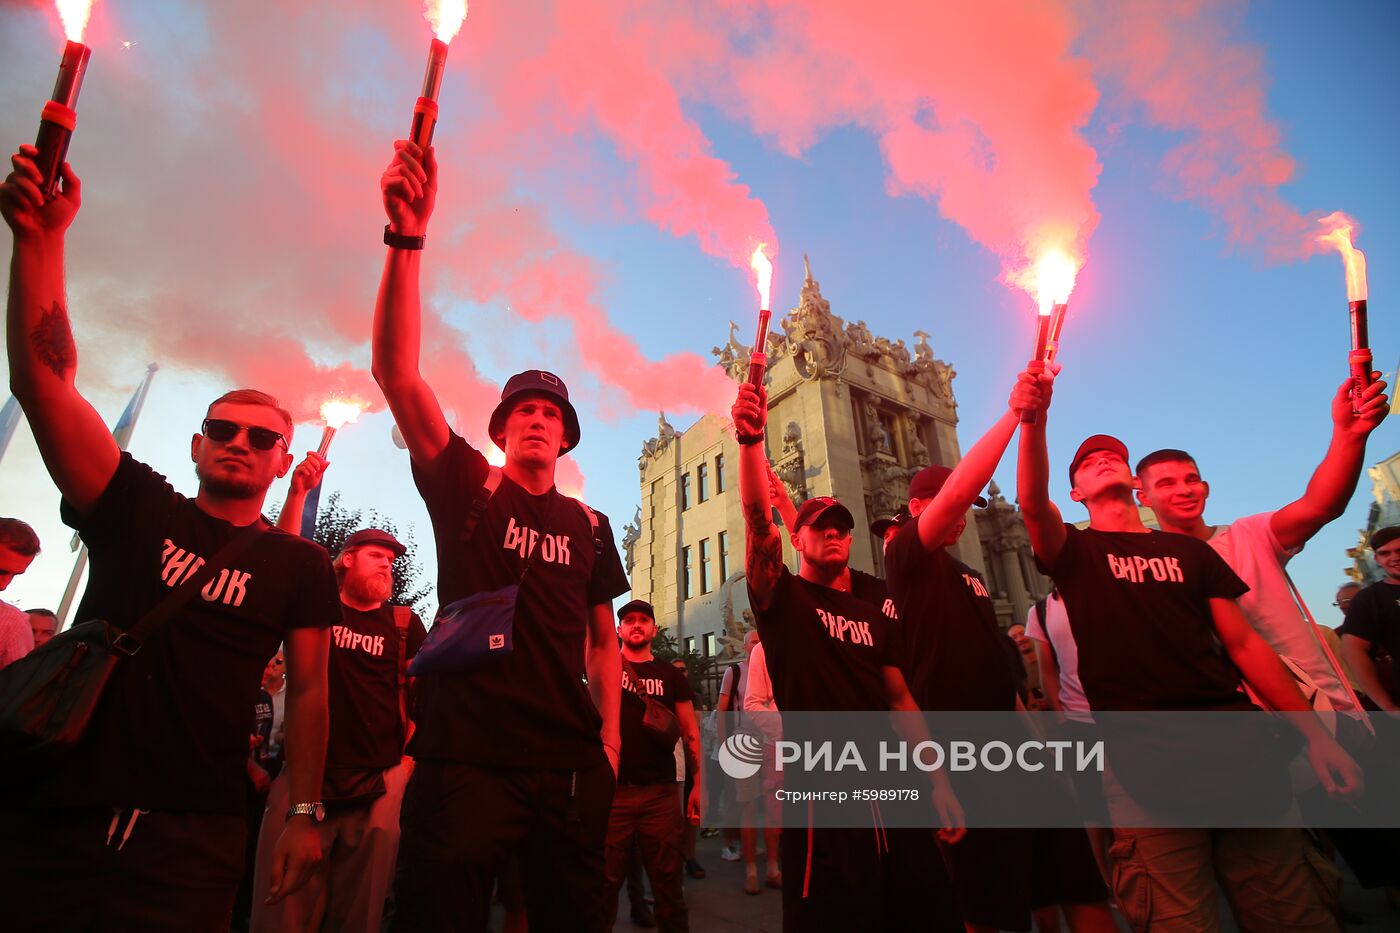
851	415
1385	511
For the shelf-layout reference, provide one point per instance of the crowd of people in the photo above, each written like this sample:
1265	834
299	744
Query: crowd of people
292	751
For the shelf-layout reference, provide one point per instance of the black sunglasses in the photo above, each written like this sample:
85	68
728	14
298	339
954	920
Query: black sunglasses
217	429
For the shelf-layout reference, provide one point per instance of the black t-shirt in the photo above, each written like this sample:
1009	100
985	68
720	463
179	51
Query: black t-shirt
1374	615
874	591
826	649
951	650
363	676
643	758
171	731
1139	611
532	707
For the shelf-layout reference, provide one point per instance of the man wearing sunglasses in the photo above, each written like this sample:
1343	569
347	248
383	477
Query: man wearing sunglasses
148	808
519	754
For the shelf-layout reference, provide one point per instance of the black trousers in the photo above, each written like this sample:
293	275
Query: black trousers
839	879
59	871
459	823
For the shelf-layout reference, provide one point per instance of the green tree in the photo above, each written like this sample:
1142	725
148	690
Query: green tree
336	521
698	668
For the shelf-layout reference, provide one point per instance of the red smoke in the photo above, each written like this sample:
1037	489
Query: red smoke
977	106
1176	63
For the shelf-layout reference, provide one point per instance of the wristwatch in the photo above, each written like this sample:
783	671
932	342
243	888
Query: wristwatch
317	810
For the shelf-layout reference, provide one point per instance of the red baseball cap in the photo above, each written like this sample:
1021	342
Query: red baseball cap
1094	444
817	506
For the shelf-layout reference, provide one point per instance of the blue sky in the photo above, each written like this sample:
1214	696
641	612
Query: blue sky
1174	337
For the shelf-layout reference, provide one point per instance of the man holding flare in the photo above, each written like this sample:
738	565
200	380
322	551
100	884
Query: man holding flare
147	809
1150	612
832	878
515	755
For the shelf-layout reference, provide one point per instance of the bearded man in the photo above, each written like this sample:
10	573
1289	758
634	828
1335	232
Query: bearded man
366	769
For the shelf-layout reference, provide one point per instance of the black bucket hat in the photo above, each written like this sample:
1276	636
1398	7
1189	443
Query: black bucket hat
535	382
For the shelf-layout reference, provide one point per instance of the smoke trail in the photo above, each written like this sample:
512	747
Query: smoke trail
1175	65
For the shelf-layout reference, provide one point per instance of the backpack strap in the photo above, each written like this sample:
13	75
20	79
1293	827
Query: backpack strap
130	641
403	617
477	508
593	523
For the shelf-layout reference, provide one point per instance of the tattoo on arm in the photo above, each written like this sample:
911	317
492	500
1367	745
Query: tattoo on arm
764	564
52	340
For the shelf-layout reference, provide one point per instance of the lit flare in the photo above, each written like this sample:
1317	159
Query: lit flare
74	14
1338	234
1053	278
446	17
762	267
763	275
337	413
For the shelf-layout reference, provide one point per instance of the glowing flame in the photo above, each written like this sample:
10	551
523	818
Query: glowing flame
339	412
1340	230
495	456
1051	279
74	14
763	274
446	17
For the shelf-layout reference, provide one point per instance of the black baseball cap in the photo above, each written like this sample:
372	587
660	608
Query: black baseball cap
367	536
881	525
637	605
1383	536
928	481
535	382
817	506
1093	444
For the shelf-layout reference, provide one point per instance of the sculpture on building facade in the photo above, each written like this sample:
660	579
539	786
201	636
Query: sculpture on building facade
631	534
791	467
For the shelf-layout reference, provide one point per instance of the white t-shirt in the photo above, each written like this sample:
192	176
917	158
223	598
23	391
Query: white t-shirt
1253	551
16	634
1056	633
758	697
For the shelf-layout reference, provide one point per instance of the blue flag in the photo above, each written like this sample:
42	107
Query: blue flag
9	420
308	513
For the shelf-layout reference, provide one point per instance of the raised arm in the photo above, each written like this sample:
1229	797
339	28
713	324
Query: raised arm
1043	521
763	547
409	186
77	448
1334	480
306	477
975	470
777	492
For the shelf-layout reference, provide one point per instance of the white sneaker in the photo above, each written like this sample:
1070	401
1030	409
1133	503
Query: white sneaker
730	854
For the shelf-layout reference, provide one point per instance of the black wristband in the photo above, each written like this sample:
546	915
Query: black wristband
746	440
399	241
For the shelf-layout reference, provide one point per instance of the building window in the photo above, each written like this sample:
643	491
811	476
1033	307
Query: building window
685	491
690	645
711	645
719	473
702	481
724	555
688	583
705	584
